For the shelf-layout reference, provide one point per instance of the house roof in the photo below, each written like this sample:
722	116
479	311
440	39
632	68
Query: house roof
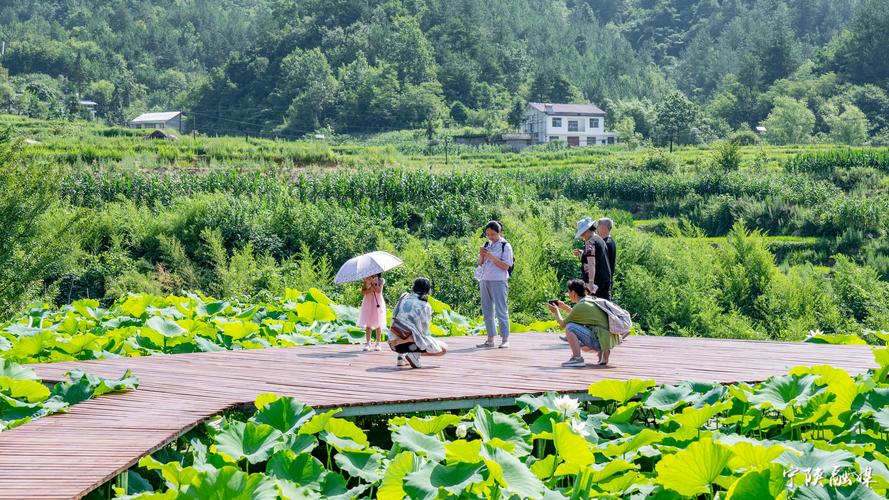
567	109
87	103
156	117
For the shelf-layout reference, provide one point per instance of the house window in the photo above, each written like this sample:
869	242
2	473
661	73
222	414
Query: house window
611	140
557	122
572	126
594	123
553	138
590	141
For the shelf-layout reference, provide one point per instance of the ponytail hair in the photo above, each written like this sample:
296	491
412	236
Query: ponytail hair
422	287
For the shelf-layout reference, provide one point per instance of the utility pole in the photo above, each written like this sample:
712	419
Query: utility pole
447	136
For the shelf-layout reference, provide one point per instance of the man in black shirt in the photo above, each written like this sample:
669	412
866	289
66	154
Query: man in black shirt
595	268
603	229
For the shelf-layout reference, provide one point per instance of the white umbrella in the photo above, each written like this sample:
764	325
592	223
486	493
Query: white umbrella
369	264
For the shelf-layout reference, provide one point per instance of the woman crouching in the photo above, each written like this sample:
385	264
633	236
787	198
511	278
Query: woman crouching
411	319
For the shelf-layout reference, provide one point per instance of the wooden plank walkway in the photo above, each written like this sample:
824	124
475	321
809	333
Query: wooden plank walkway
69	455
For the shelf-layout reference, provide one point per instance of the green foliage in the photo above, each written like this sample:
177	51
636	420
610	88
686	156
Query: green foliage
24	398
789	122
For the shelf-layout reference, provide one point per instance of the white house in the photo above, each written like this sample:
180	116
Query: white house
576	124
169	120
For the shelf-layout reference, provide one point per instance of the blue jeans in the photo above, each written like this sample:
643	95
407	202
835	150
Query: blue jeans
494	304
586	336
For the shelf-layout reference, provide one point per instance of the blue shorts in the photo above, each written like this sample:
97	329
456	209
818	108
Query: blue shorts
587	337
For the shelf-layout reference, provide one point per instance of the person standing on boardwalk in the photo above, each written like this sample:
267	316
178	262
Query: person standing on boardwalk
495	261
603	229
595	269
373	310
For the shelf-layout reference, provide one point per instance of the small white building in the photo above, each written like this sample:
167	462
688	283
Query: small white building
576	124
171	120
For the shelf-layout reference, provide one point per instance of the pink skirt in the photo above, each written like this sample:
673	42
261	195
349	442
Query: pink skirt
372	316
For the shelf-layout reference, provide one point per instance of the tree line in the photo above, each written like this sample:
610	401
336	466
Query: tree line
667	71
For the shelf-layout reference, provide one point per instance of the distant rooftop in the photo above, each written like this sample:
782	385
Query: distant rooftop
156	117
567	109
87	103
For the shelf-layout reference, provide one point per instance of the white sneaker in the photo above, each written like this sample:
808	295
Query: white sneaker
577	362
366	347
504	344
400	360
414	359
486	344
377	347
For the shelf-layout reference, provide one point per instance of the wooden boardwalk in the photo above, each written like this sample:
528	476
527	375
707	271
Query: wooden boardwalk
69	455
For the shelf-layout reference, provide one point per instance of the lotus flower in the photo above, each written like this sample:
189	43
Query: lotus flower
567	405
462	429
579	427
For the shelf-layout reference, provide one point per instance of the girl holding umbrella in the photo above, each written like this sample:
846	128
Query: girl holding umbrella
368	269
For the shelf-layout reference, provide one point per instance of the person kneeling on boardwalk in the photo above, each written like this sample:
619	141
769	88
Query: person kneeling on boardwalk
586	325
411	319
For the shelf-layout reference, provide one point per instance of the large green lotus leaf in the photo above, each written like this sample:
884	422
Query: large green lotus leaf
837	381
315	295
418	484
881	356
176	476
229	483
692	419
619	390
510	428
760	484
668	397
858	492
691	471
15	370
392	487
815	458
366	465
545	467
164	326
78	343
284	414
433	425
422	444
571	447
255	442
624	414
456	478
12	410
211	309
31	391
438	307
311	312
518	477
632	443
463	451
785	390
335	487
317	423
871	401
344	435
753	456
302	469
238	330
135	305
297	443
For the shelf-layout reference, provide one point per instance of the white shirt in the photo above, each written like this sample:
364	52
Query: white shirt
489	271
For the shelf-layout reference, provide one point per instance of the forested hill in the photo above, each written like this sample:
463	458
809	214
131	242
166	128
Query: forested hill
288	67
